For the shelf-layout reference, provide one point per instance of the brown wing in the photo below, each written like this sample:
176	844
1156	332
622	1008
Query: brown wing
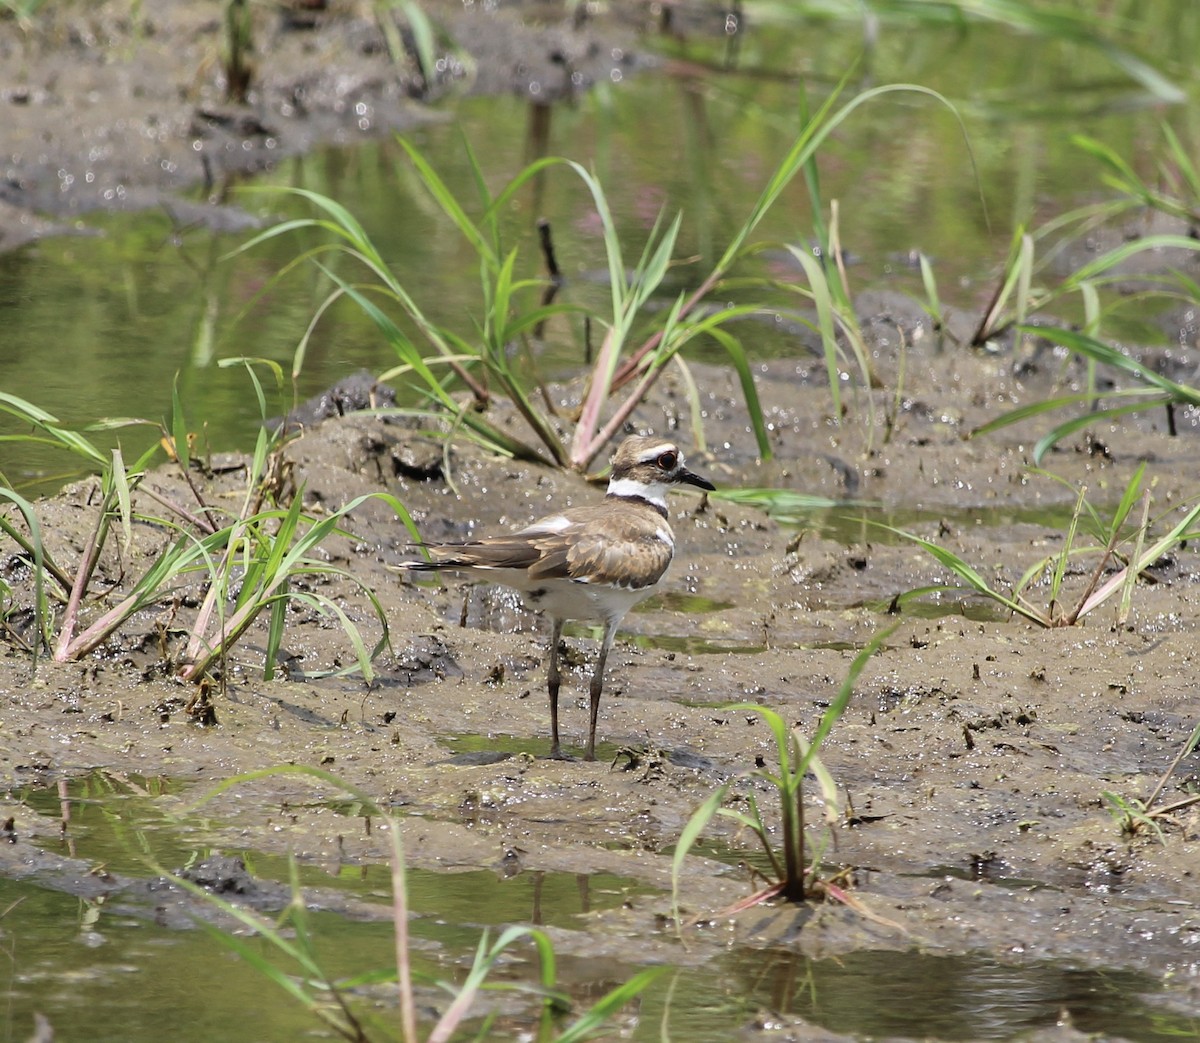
600	547
631	548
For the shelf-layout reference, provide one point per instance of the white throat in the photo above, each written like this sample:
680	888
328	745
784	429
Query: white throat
654	493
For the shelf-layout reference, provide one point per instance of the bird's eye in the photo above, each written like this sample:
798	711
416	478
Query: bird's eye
667	461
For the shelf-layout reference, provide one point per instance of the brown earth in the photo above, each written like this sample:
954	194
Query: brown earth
970	763
107	111
973	756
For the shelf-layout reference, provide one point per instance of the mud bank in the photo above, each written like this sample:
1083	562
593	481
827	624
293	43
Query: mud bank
972	759
104	111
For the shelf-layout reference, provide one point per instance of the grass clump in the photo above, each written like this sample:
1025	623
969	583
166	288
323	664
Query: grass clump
1104	287
494	357
794	861
251	562
1121	539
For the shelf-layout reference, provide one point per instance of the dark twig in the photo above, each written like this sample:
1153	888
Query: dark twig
557	281
984	331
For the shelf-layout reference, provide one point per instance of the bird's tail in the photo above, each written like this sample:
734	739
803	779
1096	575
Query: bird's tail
415	564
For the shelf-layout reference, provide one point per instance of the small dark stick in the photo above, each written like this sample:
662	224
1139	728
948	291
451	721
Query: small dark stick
556	279
543	227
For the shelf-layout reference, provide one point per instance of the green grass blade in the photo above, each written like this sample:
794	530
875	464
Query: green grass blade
423	40
1131	575
1133	489
596	1016
818	282
1106	262
934	304
741	366
838	705
179	431
446	199
691	832
275	627
1147	397
1060	563
1069	427
1125	178
73	441
1183	162
255	960
120	481
692	395
403	347
1179	532
327	606
948	559
1024	275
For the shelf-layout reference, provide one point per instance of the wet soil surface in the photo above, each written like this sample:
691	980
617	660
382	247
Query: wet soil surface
104	110
971	761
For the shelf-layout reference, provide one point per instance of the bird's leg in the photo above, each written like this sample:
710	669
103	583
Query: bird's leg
597	685
552	682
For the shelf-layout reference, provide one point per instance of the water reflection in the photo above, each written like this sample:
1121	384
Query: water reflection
116	967
153	295
919	996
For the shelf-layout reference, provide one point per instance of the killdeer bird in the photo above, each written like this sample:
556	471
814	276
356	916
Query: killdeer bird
591	562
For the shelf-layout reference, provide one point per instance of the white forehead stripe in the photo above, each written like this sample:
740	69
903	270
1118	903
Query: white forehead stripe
647	456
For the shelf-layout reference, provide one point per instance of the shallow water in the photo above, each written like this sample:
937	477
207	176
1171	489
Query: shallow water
101	324
124	965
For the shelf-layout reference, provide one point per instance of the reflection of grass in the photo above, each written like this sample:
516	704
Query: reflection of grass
237	45
781	504
1074	24
691	604
291	947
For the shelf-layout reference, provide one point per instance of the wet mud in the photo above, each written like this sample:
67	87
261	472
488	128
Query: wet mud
973	757
110	110
971	762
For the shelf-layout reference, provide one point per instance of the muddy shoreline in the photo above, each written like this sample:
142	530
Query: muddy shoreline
972	759
108	112
976	749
